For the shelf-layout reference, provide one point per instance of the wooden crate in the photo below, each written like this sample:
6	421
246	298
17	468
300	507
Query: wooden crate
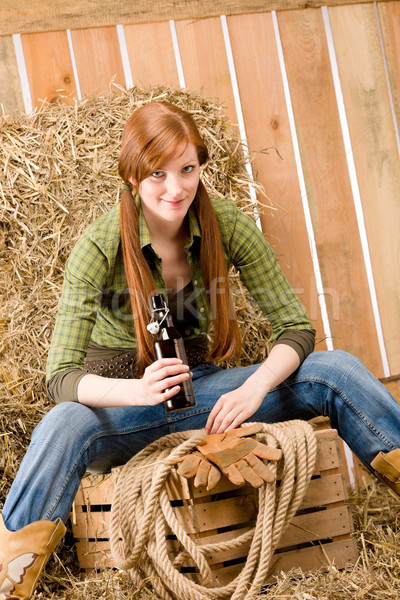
319	533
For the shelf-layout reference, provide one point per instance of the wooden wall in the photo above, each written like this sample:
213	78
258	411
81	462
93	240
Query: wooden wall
318	87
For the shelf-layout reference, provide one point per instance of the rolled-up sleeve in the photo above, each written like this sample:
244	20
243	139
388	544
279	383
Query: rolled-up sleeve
260	272
85	277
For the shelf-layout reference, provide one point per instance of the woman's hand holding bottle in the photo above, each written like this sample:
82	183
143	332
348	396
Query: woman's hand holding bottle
149	390
161	380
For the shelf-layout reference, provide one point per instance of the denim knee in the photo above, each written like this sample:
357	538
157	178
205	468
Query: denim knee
68	420
333	367
347	369
339	358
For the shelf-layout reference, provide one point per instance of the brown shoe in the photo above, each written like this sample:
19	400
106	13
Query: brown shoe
387	468
23	556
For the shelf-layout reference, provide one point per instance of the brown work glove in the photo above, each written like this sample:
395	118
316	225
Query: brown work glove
236	457
197	466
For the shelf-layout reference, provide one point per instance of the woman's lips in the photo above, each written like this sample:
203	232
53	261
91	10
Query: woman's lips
174	202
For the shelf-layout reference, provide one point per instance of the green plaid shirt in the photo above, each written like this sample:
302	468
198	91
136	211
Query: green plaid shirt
94	303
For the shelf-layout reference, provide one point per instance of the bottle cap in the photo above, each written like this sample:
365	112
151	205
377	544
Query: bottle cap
153	327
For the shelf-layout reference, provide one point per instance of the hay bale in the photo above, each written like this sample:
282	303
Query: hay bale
58	172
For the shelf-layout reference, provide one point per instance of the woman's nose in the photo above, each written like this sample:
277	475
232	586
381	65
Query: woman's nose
174	185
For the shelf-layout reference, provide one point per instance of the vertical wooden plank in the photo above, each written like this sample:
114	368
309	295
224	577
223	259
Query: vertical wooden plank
376	156
98	59
49	66
328	186
267	126
151	54
204	61
11	97
389	14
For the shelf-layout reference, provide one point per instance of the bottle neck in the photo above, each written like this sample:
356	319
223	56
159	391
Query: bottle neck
164	319
168	320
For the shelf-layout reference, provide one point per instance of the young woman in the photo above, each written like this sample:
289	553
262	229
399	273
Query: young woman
168	236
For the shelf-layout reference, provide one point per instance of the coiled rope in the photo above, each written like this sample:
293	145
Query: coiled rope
142	516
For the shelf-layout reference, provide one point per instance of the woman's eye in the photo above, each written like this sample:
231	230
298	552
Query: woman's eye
157	174
188	169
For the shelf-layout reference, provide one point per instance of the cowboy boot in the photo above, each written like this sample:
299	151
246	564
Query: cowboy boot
387	468
23	556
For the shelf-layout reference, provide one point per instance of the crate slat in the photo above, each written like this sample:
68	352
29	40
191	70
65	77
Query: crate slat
92	525
222	513
317	526
223	556
96	490
329	456
325	490
94	555
339	553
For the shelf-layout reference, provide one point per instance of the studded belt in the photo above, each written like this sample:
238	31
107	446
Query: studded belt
123	365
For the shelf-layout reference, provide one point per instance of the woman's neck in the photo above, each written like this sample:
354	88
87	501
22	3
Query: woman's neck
164	233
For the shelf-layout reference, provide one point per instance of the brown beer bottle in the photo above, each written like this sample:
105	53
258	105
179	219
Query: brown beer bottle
169	344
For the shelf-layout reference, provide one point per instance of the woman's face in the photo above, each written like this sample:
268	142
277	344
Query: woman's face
169	191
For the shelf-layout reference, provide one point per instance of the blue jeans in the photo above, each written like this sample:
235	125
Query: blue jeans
72	438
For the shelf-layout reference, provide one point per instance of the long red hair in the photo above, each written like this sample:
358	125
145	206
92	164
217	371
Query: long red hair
150	137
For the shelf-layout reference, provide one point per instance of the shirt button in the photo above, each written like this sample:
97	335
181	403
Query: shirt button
202	309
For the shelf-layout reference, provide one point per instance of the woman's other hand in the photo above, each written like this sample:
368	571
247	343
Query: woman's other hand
233	408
